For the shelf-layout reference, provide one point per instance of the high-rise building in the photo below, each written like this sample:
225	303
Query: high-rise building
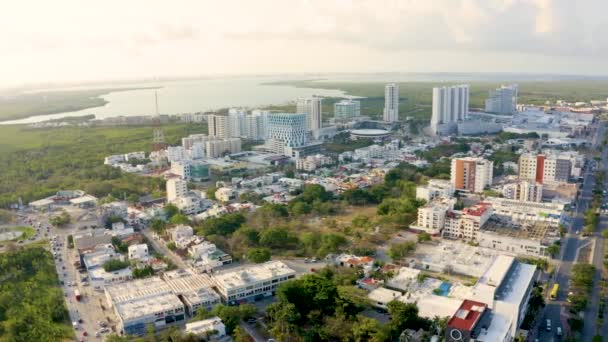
218	148
347	109
544	168
181	168
471	174
286	130
450	105
503	100
237	122
312	108
218	126
391	103
261	123
176	187
523	191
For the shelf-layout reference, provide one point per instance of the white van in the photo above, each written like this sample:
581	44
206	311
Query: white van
548	325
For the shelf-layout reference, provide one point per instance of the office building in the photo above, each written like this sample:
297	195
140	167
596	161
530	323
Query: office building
466	224
523	190
252	282
176	188
503	100
219	126
432	216
345	110
471	174
199	170
286	130
450	105
434	189
543	168
312	108
391	103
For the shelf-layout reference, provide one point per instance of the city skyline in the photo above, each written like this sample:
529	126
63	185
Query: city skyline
68	41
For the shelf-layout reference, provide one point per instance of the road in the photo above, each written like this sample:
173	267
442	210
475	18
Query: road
555	310
161	247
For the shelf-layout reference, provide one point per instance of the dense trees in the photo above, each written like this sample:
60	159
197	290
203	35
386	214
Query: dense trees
115	265
61	219
223	225
400	250
259	255
31	302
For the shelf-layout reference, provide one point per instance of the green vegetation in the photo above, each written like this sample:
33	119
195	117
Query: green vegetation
143	272
31	303
70	241
535	305
259	255
51	102
27	232
115	265
61	219
39	162
401	250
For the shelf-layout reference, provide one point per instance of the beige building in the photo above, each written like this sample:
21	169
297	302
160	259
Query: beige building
218	126
434	189
527	191
432	216
544	168
471	174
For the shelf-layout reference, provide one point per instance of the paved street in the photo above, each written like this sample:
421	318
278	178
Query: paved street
570	245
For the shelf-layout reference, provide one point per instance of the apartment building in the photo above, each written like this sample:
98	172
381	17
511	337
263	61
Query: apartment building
176	187
432	216
218	148
466	224
450	105
471	174
252	282
347	109
391	103
434	189
312	108
523	190
519	211
218	126
543	168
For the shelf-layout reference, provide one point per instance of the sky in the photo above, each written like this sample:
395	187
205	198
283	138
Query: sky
72	41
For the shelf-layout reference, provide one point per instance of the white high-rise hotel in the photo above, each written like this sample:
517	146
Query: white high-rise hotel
391	103
450	105
312	108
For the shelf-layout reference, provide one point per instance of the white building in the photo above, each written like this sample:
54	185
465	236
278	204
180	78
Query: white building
195	290
182	168
139	252
466	224
432	216
450	105
236	122
347	109
176	153
225	194
391	103
218	148
219	126
142	303
471	174
208	328
181	232
434	189
135	156
286	130
311	163
252	282
380	297
519	211
503	100
176	188
311	107
523	191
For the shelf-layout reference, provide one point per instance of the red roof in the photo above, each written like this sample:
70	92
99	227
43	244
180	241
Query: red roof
476	210
467	315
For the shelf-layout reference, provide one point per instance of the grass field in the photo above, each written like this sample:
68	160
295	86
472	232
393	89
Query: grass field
51	102
416	97
28	232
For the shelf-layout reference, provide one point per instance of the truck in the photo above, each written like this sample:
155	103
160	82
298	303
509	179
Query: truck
77	295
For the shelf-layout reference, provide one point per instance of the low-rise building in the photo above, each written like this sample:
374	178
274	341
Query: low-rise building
208	328
466	224
434	189
195	290
181	232
225	194
519	211
138	252
143	303
523	191
252	282
380	297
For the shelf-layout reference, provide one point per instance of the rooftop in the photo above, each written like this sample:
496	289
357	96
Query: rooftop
476	210
533	230
141	288
467	315
253	274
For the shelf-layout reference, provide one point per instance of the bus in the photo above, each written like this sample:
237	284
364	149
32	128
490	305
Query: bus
77	295
554	289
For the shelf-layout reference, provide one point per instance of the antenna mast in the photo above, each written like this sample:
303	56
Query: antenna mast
158	140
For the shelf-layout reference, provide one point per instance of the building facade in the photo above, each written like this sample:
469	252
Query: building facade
523	191
467	223
176	188
432	216
434	189
286	130
391	103
450	105
503	100
218	126
543	168
347	109
471	174
312	108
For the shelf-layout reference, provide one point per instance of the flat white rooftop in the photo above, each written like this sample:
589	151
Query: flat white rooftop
148	287
382	295
253	274
432	305
495	274
148	305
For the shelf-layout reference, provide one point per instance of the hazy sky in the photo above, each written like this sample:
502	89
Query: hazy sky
57	41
